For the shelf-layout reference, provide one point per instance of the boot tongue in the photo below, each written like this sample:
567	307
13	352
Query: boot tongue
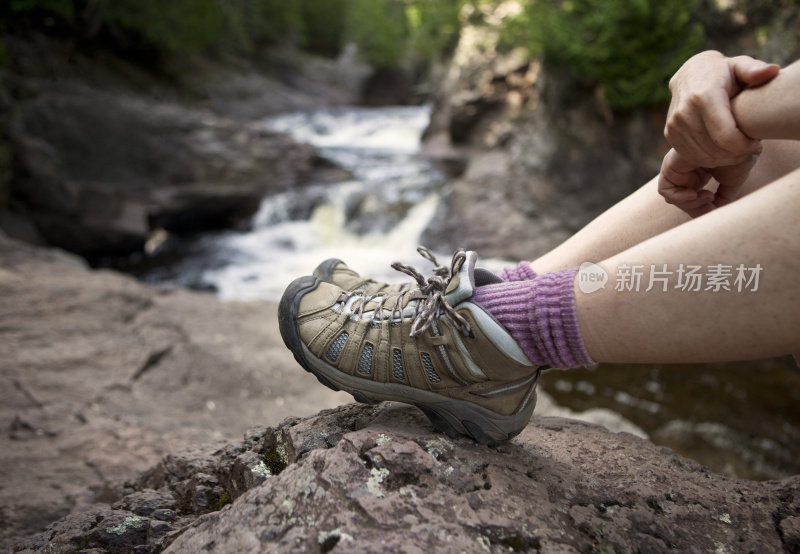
462	285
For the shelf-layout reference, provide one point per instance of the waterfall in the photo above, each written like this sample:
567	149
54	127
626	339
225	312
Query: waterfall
370	221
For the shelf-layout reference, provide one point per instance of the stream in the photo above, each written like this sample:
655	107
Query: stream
739	418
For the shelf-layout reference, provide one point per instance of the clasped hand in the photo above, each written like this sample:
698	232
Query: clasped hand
702	131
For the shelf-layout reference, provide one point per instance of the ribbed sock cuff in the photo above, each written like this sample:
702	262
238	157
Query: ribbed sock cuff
540	315
522	272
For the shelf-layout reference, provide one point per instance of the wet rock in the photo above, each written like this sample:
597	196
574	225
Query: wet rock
101	154
99	171
296	81
359	478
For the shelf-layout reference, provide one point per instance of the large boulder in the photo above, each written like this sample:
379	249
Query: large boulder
97	172
104	153
102	376
379	479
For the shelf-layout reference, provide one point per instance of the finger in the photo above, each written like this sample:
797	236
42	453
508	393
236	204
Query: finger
721	128
688	135
704	152
713	155
678	196
703	204
726	193
752	72
681	183
672	176
705	132
701	210
694	203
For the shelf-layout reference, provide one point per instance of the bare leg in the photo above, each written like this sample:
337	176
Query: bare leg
681	326
645	214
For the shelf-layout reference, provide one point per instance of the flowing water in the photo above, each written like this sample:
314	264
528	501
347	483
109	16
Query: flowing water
741	419
370	221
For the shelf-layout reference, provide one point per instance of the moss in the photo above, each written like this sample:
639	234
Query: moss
81	544
513	542
224	500
275	460
598	545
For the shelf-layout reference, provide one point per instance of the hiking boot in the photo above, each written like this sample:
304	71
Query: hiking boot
428	345
335	271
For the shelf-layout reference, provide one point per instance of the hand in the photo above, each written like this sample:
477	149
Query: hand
700	124
682	182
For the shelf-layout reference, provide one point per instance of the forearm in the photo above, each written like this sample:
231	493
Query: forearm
771	111
637	217
644	213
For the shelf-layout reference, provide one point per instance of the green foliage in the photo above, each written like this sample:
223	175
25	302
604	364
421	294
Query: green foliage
223	500
274	461
176	26
433	26
386	31
629	47
515	32
379	27
389	31
62	8
248	25
323	26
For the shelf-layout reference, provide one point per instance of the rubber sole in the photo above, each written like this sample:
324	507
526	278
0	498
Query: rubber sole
453	417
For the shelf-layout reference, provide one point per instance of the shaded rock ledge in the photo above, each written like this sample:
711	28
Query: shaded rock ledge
379	479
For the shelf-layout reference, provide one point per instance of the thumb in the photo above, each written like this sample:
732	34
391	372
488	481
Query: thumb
752	72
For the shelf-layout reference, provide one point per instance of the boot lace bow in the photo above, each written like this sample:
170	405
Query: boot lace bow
430	296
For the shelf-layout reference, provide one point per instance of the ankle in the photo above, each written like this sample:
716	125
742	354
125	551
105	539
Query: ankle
540	314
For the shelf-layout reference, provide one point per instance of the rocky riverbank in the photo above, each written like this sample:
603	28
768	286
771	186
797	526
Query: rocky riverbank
103	376
378	479
103	156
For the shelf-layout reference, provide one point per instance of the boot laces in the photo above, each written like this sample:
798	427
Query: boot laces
430	296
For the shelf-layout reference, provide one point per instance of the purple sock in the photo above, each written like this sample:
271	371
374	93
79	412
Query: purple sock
540	315
523	272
